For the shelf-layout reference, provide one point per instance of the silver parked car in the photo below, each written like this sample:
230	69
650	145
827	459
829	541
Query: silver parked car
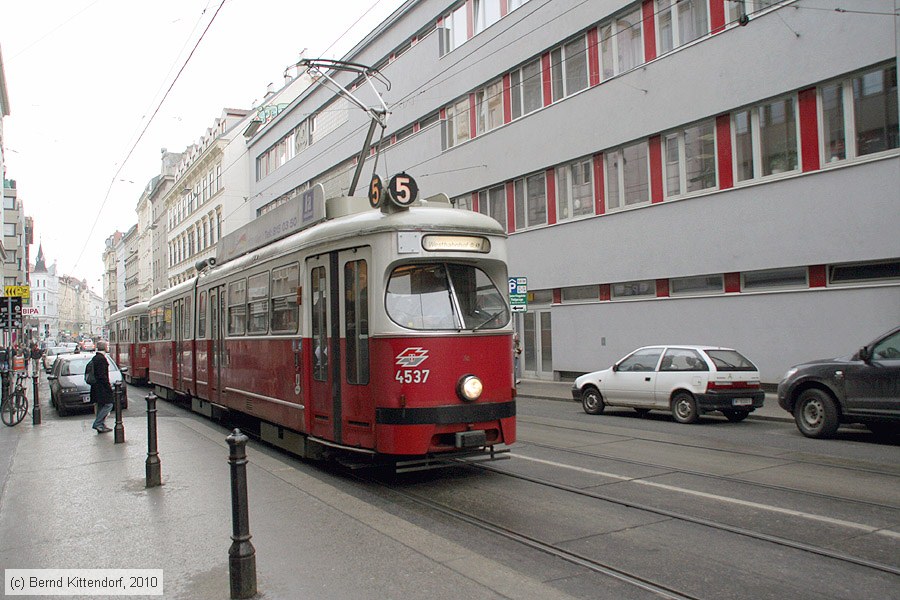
68	389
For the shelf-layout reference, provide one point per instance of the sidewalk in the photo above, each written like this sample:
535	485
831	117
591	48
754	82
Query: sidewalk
562	390
72	499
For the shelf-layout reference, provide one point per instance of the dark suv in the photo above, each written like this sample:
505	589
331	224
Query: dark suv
862	388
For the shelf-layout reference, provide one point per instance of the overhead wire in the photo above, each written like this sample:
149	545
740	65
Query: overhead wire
144	131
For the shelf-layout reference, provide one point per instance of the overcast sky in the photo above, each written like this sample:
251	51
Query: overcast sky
84	77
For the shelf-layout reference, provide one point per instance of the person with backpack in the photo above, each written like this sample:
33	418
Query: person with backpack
96	374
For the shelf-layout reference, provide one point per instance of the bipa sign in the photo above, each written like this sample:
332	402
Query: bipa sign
30	311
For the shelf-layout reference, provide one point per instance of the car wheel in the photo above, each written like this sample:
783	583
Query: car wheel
61	409
735	416
592	401
684	408
816	414
642	412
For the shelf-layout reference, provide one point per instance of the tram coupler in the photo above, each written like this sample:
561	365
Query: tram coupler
119	428
36	411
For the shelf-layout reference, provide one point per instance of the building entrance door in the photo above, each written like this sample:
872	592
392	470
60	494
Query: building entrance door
537	345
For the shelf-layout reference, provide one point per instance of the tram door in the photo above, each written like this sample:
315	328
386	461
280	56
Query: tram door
322	305
357	408
216	357
177	343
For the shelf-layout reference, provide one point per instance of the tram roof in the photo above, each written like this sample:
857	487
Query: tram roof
352	221
134	309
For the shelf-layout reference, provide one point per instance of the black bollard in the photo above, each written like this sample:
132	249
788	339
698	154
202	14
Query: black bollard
36	411
119	429
154	477
241	555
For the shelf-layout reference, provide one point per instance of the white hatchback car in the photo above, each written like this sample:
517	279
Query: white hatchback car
684	380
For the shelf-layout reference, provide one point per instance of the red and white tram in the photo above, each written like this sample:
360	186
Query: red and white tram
384	332
129	341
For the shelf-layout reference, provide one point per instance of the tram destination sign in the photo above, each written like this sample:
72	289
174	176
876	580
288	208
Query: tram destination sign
296	214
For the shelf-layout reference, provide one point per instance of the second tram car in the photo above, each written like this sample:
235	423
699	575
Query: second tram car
383	332
129	341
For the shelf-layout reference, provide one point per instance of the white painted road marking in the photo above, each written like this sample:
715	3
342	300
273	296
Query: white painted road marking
680	490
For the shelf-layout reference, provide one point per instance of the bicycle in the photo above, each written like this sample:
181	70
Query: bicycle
15	405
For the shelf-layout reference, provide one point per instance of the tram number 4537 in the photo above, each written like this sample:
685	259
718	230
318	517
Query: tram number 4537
412	375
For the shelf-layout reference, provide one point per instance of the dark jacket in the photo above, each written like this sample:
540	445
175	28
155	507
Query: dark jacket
101	391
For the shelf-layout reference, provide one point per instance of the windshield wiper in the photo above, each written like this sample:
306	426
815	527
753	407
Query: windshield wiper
490	318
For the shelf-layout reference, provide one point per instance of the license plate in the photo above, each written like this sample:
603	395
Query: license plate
86	398
742	402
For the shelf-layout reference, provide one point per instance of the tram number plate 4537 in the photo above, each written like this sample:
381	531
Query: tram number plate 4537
412	375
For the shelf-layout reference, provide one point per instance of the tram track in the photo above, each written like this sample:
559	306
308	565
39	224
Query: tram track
708	523
731	479
574	558
736	452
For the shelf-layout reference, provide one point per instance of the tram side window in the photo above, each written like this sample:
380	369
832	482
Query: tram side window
201	316
285	315
144	328
237	307
151	323
166	326
258	305
356	319
318	287
186	315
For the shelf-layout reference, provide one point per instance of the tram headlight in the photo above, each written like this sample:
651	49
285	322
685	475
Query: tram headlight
469	388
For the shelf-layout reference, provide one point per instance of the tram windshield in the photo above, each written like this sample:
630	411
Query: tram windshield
444	296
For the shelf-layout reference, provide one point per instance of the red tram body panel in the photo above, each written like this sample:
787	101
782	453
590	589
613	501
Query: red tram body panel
129	342
381	332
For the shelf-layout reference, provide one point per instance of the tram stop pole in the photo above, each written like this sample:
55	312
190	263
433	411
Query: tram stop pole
119	429
36	411
154	476
242	554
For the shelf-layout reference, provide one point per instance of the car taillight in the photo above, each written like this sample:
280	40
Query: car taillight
718	386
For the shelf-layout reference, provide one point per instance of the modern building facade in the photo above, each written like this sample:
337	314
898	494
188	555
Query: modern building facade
704	171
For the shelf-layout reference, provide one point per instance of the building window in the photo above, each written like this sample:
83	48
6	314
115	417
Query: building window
489	107
690	164
633	289
458	130
455	29
486	12
531	201
778	137
526	93
568	68
703	284
492	202
9	229
859	115
791	277
765	139
864	272
749	7
680	22
9	203
575	190
621	44
627	176
581	293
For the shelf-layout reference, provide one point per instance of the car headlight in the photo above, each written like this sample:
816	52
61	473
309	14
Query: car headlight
69	390
469	388
790	373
